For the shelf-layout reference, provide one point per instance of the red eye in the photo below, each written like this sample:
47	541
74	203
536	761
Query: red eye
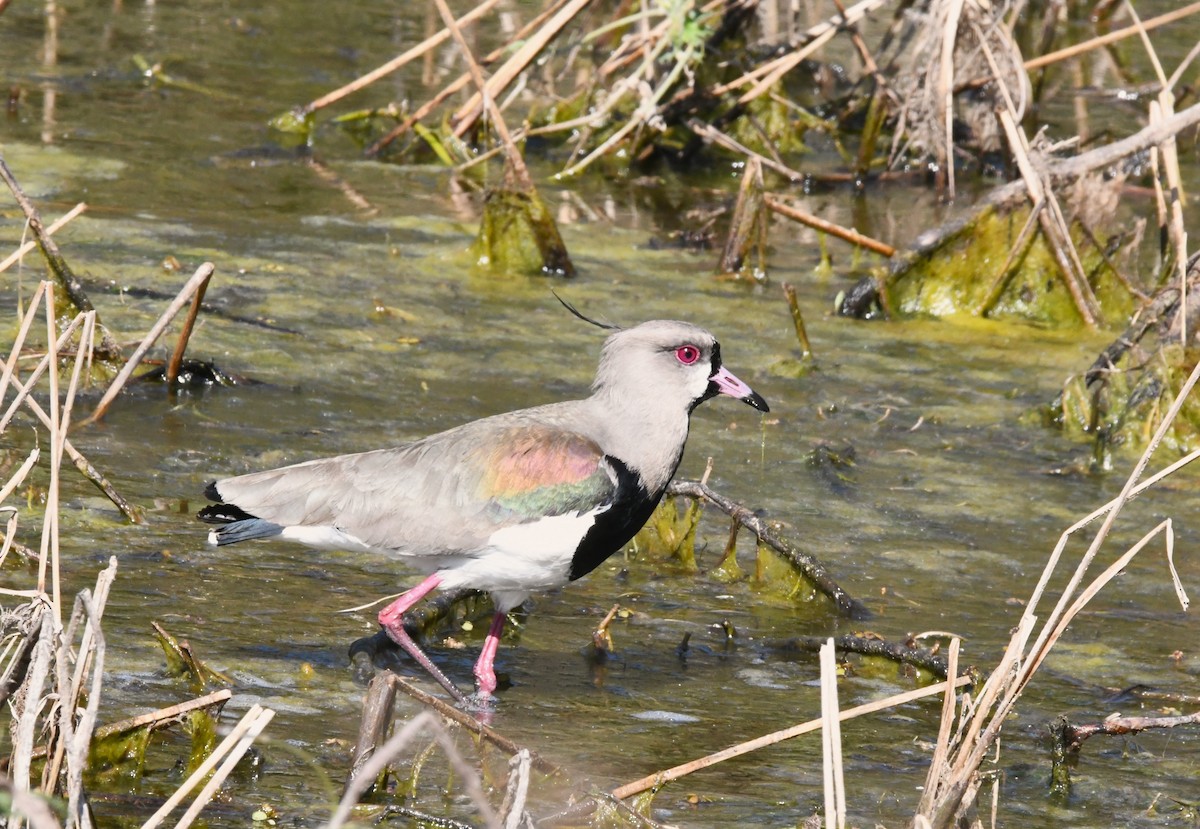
687	354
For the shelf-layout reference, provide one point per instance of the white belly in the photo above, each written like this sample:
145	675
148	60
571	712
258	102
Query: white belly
521	559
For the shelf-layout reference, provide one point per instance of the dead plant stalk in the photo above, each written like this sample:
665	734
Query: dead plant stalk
951	783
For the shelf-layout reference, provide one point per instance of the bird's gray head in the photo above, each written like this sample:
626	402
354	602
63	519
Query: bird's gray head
675	362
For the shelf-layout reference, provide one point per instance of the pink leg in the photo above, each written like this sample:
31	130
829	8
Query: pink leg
485	675
392	619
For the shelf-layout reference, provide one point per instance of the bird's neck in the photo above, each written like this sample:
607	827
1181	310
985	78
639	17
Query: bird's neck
644	435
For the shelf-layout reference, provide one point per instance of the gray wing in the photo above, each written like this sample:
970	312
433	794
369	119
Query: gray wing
445	494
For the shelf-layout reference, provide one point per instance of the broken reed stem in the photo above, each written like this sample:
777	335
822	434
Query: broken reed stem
19	476
1017	666
710	133
844	233
24	389
1016	252
457	84
234	745
200	277
1111	37
392	749
1053	225
56	226
395	63
22	332
49	545
530	48
23	396
831	741
765	76
520	171
789	291
186	333
77	738
54	257
163	717
653	781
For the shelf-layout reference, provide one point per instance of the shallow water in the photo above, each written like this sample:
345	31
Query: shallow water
943	523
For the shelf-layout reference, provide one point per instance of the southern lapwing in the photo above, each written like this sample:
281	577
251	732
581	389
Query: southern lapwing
510	504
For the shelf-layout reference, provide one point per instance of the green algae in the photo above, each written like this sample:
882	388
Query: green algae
970	272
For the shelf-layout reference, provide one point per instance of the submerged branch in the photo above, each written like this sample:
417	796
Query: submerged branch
899	652
808	565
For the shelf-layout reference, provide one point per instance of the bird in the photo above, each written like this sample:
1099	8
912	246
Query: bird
510	504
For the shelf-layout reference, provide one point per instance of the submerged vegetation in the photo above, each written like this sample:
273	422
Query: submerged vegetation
941	95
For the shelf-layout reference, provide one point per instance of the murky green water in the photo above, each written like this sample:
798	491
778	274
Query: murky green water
947	518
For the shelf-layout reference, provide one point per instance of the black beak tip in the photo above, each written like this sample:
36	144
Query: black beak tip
756	400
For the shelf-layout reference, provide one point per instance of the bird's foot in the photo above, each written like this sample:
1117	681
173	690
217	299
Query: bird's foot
481	705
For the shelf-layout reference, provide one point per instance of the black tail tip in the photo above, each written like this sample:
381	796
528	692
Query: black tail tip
223	514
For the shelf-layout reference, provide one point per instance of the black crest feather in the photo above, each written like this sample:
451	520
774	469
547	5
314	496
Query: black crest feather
608	326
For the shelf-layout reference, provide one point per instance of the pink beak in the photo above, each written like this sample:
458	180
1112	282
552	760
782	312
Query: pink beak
724	382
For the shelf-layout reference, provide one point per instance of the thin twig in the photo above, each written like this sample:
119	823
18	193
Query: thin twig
470	723
845	233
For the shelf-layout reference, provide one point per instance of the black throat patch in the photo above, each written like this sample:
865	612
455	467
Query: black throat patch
630	510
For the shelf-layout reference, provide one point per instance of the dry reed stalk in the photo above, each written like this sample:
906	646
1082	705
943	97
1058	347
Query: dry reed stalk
516	162
76	738
1172	206
186	332
1016	252
393	749
231	741
254	726
765	76
49	547
469	113
944	93
1053	223
942	747
200	277
165	716
950	787
831	741
459	83
30	708
54	227
397	62
710	133
653	781
25	388
17	477
86	468
22	332
1111	37
1175	226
